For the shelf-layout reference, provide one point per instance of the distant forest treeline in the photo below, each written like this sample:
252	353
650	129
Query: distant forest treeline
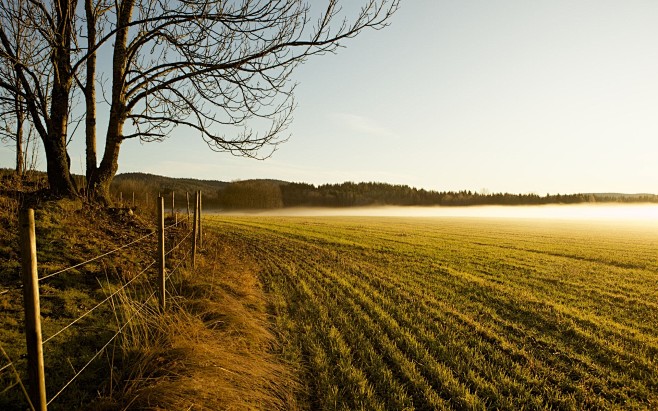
365	194
268	194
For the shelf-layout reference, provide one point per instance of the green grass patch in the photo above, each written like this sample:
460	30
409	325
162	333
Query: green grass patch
395	313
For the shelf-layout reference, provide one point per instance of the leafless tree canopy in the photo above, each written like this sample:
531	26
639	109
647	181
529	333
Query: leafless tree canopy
212	63
23	59
220	68
28	40
36	44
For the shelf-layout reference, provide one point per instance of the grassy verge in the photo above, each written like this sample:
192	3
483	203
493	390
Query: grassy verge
212	349
215	346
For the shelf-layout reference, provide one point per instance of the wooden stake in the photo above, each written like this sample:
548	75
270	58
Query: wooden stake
187	199
200	225
161	254
133	199
173	208
194	229
32	310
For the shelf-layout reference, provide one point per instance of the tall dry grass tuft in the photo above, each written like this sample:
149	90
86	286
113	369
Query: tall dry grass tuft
212	350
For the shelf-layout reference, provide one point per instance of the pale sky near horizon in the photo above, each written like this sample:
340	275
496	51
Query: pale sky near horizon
554	96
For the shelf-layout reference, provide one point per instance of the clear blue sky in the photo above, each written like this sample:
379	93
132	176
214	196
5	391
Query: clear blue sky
518	96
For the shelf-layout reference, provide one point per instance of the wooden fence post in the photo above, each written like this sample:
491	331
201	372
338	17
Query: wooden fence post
161	254
187	198
200	225
133	199
120	198
173	208
32	310
194	229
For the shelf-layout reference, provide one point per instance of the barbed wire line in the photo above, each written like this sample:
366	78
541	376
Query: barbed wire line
6	366
171	225
10	289
18	379
180	262
9	387
97	257
100	303
187	255
179	243
116	334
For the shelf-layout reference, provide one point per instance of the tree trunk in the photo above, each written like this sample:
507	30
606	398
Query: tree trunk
100	183
19	107
90	94
101	180
20	117
59	175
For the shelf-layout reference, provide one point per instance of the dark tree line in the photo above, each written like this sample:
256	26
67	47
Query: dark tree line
252	194
351	194
268	194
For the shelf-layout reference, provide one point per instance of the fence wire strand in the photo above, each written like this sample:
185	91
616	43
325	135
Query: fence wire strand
97	257
116	334
100	303
171	225
18	379
179	243
4	367
182	260
12	385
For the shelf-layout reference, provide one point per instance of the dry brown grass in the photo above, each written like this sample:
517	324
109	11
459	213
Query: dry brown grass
213	350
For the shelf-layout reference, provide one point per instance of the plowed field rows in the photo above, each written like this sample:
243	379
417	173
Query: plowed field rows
395	313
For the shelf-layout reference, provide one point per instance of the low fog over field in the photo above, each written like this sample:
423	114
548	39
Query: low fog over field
606	212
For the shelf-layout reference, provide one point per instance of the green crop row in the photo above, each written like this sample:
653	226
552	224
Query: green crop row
395	313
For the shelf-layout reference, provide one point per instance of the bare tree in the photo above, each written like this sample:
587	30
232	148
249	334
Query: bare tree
92	12
12	102
12	118
96	17
44	75
218	68
17	130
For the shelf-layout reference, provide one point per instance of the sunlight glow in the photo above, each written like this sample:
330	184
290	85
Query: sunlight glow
642	213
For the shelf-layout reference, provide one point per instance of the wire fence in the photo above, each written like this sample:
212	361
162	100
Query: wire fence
120	289
116	334
17	378
37	400
98	257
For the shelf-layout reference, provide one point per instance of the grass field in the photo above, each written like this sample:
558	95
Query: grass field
454	313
